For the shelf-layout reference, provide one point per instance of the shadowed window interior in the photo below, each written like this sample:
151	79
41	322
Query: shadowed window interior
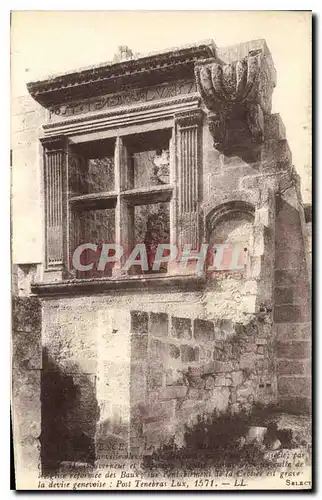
148	159
120	192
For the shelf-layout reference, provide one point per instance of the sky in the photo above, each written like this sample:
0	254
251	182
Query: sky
47	42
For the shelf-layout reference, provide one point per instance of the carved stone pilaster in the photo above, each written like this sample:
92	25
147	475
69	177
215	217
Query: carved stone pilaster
244	86
188	140
55	206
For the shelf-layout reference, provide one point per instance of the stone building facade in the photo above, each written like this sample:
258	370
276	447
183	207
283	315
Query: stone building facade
177	147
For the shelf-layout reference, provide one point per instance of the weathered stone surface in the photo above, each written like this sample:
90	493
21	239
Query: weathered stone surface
220	381
209	368
174	377
174	351
237	377
195	393
190	409
157	411
293	349
218	399
250	347
285	295
139	347
159	324
223	366
243	393
296	331
138	380
189	353
209	383
158	349
261	341
247	361
155	379
204	330
285	277
26	314
274	127
294	387
172	392
293	367
290	314
139	322
181	328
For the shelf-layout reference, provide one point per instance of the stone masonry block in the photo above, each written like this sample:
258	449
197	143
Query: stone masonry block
155	379
220	380
285	295
172	392
286	277
290	367
159	350
138	382
174	351
223	366
181	328
26	314
247	361
237	377
290	314
291	386
139	322
189	353
204	331
294	349
296	331
139	346
209	368
159	324
157	411
174	377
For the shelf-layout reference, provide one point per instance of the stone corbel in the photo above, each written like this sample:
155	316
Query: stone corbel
248	83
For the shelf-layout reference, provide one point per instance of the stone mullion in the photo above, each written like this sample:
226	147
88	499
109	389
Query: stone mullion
123	226
118	208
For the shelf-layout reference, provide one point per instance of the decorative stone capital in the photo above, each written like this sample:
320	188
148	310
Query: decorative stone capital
242	88
189	118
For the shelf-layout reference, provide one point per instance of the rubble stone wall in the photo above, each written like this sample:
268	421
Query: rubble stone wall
164	360
191	367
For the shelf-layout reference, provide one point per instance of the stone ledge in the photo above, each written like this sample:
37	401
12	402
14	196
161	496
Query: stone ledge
98	286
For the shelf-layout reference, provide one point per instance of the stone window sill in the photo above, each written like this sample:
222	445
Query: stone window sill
103	285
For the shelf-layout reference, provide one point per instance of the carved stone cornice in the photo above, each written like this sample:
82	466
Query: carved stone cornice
246	83
144	71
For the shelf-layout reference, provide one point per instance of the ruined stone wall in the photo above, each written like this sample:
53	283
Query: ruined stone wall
122	372
292	313
165	361
190	368
25	387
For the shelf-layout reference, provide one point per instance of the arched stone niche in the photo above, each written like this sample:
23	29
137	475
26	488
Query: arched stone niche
232	224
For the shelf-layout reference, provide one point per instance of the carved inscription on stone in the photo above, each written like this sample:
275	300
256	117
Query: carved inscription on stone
122	99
